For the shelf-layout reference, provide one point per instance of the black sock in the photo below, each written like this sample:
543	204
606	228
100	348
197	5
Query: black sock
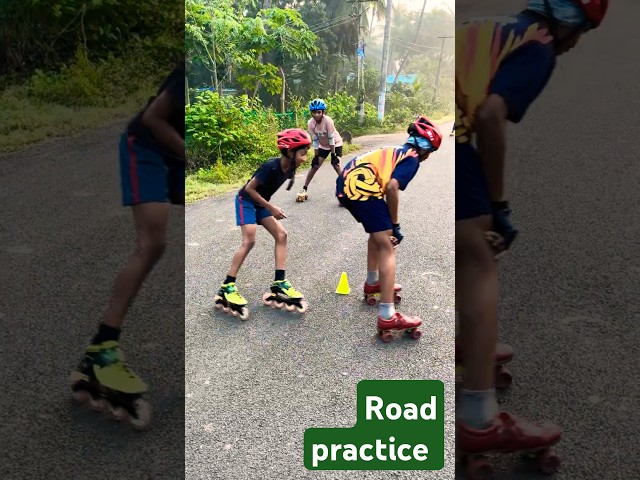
304	188
230	279
279	275
106	333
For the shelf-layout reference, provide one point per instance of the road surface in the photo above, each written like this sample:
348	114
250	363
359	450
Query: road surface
63	237
253	387
569	303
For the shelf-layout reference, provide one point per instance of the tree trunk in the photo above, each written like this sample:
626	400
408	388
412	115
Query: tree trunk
406	57
283	92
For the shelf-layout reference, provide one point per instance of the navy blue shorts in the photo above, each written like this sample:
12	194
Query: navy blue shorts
472	195
146	176
248	213
373	213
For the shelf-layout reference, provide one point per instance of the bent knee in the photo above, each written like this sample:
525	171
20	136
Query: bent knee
282	236
152	250
248	242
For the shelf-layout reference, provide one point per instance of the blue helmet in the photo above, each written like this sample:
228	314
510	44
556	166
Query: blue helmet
317	104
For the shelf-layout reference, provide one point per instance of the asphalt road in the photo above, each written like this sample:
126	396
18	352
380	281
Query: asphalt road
252	388
569	303
63	237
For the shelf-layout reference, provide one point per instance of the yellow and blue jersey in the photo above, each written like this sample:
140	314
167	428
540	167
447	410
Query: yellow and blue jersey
512	57
368	175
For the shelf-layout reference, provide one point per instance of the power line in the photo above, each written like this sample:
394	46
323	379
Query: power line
413	44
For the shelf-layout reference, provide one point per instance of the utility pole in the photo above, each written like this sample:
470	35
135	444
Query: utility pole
385	62
360	54
435	92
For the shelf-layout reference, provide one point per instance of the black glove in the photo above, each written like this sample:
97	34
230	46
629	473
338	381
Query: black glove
502	222
397	233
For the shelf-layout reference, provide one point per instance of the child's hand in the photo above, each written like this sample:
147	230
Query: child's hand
277	212
396	234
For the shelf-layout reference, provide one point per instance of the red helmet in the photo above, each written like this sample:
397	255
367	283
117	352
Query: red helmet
594	10
292	138
425	128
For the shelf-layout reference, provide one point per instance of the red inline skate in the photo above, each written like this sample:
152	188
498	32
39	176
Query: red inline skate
400	322
507	434
372	293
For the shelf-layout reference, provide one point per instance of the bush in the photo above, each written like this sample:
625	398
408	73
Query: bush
105	83
229	130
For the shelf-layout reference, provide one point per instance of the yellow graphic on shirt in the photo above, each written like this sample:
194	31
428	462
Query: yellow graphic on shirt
368	175
481	47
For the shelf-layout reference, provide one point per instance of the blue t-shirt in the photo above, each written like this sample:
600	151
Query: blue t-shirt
270	178
406	170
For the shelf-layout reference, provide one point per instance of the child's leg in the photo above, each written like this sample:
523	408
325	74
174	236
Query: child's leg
151	224
336	164
315	166
279	234
248	241
480	426
372	261
477	302
386	260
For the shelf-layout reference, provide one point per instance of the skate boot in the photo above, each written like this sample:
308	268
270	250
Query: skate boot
400	322
302	196
504	354
372	293
283	295
230	301
104	381
507	434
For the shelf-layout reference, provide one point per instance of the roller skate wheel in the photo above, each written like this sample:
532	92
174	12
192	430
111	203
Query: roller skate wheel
234	313
80	396
304	306
117	413
548	462
291	307
415	333
479	469
98	405
386	336
265	299
143	414
503	378
397	299
244	314
219	306
371	300
278	304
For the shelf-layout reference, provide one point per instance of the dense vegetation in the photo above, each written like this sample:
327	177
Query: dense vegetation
253	67
70	64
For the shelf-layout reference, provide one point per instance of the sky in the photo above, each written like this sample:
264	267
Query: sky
431	4
447	5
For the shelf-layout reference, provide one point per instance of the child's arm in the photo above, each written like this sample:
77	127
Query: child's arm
331	130
155	118
256	197
392	193
491	126
314	139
